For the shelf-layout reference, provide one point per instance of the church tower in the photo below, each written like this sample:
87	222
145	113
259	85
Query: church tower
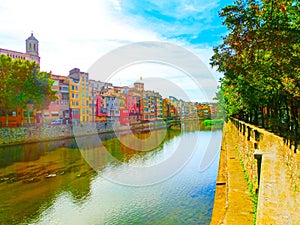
32	48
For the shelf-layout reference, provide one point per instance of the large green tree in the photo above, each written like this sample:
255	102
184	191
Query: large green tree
260	60
21	81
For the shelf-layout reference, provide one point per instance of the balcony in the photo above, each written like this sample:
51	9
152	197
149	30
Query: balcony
64	89
64	102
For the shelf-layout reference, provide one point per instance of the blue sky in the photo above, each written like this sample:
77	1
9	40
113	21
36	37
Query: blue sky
194	21
77	33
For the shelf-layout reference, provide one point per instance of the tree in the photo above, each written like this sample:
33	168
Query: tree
260	61
21	82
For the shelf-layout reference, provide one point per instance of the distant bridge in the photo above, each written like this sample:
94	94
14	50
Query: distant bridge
174	123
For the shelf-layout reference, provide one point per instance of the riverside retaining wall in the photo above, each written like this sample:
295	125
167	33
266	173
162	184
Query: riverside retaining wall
21	135
9	136
279	184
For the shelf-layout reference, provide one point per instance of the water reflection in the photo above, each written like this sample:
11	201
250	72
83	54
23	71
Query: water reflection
51	182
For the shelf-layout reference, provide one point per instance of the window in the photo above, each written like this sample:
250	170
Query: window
82	78
87	102
73	103
76	88
87	87
73	87
86	94
76	95
76	103
73	95
87	79
82	87
83	111
82	94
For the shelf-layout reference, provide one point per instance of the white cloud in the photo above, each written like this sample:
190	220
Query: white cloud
77	33
71	33
116	4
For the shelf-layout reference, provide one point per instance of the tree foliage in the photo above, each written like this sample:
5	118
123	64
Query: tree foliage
21	82
260	60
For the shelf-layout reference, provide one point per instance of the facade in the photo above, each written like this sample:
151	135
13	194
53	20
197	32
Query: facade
64	98
124	112
112	105
159	106
150	102
95	88
74	99
139	86
80	94
203	111
174	102
133	104
60	108
52	113
101	110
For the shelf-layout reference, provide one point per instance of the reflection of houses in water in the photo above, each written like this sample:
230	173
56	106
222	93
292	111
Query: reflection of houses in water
27	167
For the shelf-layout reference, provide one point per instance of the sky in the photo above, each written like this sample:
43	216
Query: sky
78	33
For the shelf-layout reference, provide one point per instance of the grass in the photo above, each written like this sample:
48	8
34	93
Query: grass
253	194
215	122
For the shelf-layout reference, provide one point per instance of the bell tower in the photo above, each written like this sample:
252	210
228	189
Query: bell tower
32	48
32	45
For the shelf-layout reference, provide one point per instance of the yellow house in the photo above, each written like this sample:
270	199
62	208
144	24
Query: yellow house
79	96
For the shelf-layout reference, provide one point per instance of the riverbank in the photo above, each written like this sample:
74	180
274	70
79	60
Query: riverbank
34	134
25	135
276	178
233	202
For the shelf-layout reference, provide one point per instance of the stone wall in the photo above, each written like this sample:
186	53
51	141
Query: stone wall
20	135
279	186
250	139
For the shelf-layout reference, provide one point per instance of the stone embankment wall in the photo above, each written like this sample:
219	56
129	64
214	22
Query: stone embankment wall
41	133
20	135
279	186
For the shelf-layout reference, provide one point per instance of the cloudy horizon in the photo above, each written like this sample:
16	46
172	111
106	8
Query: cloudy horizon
76	34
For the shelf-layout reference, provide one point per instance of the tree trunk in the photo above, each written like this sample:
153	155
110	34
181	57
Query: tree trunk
6	119
262	117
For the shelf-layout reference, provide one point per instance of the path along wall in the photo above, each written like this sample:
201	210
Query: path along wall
279	185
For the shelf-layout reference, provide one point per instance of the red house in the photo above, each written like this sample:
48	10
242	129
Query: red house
124	116
101	112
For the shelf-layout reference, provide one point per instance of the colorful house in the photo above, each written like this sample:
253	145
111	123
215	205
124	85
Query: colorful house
80	95
101	110
74	99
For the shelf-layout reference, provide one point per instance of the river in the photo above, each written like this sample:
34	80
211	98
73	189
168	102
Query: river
62	182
